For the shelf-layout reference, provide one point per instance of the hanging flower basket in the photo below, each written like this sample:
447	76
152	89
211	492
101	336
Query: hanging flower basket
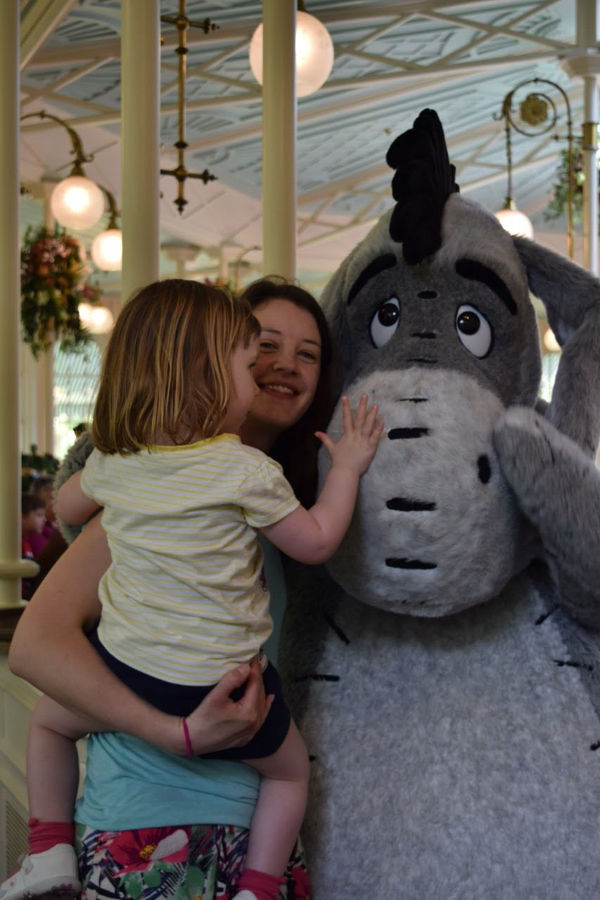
53	284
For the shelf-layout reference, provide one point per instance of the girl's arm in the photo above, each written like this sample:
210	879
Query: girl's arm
50	650
72	505
312	535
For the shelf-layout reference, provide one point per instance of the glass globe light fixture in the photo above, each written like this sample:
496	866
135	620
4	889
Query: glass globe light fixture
513	220
107	250
77	202
96	319
550	342
314	54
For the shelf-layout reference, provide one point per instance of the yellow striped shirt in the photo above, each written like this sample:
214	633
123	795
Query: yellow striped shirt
184	599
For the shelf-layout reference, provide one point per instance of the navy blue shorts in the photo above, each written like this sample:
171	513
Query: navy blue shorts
182	699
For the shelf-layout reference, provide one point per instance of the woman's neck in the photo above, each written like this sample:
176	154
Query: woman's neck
256	435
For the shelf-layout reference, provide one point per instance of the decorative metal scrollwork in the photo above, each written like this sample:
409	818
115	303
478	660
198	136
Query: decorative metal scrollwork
180	172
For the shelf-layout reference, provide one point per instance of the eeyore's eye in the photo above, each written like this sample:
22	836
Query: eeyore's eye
385	322
474	330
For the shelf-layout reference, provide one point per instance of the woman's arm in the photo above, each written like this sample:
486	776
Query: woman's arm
50	650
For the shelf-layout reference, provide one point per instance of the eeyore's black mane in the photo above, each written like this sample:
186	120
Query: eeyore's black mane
423	182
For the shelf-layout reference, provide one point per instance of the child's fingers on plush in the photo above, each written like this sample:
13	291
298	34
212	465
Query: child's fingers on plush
325	440
371	419
377	429
375	436
361	412
347	417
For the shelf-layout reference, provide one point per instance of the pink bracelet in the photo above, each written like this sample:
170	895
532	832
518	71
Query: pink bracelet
186	736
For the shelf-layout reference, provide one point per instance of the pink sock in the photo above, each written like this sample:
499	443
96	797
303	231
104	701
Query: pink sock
264	886
44	835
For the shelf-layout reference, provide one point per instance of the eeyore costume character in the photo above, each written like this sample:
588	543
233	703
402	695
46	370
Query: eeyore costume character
445	671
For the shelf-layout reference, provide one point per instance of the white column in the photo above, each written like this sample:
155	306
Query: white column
11	565
584	62
590	188
140	131
45	366
279	138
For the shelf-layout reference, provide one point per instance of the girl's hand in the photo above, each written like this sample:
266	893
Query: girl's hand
220	722
358	444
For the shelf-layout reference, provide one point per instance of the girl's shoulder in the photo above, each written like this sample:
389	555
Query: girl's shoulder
231	446
254	458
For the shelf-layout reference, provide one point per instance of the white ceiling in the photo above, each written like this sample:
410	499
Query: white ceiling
392	59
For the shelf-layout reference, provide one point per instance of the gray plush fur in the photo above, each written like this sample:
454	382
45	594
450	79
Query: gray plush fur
73	462
445	669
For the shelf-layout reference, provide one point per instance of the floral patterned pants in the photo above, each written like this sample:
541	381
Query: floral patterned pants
186	862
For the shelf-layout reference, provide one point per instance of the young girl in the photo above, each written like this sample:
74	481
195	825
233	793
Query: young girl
183	601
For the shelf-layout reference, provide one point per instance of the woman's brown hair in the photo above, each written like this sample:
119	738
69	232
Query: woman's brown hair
165	375
296	448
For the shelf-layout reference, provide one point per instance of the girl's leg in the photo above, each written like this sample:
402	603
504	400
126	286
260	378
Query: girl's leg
52	776
281	805
52	762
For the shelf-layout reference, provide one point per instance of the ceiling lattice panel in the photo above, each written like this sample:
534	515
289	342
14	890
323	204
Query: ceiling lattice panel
391	60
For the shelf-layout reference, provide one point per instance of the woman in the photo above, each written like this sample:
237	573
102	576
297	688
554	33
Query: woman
130	784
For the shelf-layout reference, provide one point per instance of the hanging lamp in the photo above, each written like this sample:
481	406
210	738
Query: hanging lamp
512	219
314	53
107	247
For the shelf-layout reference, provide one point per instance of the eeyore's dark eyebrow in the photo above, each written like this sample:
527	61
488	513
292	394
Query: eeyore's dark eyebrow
374	268
476	271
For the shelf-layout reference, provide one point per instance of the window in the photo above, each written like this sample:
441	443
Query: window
76	377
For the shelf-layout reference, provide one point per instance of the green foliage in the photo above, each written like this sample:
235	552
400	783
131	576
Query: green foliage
558	204
53	272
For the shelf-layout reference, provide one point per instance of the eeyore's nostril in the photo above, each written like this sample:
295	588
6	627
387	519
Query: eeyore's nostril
426	335
427	295
484	470
404	504
395	562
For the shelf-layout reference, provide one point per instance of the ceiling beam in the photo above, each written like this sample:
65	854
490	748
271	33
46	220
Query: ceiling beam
466	187
507	30
377	13
41	18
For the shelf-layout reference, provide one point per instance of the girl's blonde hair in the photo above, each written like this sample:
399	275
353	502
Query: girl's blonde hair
166	372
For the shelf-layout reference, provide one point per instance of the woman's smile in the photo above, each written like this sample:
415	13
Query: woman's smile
278	389
286	371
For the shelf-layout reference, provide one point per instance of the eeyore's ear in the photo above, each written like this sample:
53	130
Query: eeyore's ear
567	290
423	182
571	296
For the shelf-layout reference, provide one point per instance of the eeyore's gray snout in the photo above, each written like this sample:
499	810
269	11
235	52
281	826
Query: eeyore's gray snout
433	489
409	504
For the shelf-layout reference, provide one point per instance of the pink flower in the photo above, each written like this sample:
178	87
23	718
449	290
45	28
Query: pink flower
137	851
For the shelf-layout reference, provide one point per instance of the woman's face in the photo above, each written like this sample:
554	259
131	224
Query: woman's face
287	370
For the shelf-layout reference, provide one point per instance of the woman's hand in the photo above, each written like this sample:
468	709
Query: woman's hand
220	722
